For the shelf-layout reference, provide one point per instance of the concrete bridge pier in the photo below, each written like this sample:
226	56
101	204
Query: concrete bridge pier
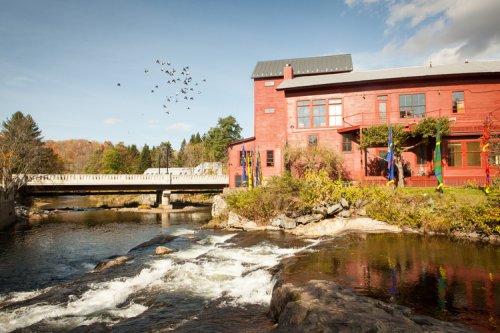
163	199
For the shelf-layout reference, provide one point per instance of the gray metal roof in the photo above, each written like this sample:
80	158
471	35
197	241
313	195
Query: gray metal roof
304	66
396	73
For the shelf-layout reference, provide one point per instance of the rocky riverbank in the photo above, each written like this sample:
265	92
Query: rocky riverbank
324	220
325	306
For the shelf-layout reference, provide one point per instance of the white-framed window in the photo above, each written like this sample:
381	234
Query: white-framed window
335	112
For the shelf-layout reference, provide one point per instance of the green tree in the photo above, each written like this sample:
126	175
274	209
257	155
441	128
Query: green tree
94	163
423	132
145	159
218	138
162	154
112	161
22	152
181	159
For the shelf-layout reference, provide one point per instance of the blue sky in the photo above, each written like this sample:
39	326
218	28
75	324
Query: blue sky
61	60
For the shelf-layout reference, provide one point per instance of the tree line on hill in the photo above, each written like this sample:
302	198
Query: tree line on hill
83	156
23	151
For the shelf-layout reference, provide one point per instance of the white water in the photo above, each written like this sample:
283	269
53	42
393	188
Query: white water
209	268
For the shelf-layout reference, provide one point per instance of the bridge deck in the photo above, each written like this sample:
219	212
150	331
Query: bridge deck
127	182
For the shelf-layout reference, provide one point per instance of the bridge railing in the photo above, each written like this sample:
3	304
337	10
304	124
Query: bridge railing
124	179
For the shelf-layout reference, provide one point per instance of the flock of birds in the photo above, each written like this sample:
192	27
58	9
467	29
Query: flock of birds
179	82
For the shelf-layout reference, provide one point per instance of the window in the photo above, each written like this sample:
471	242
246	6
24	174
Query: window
303	114
335	111
319	113
313	140
473	153
412	106
422	154
382	161
241	158
269	110
458	102
382	108
455	154
237	180
464	154
346	142
270	158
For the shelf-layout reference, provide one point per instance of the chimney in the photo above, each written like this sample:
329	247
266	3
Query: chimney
288	72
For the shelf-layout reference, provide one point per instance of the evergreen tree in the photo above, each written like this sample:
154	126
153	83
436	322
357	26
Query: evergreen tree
144	159
22	152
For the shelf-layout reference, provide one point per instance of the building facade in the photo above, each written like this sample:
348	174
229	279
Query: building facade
322	101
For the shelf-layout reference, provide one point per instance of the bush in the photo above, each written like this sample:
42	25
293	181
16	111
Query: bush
262	203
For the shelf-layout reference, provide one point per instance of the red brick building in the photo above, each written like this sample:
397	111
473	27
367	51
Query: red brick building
321	100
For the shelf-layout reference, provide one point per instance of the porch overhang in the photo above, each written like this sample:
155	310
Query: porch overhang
349	129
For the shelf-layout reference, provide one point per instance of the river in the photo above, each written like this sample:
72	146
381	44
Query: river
217	281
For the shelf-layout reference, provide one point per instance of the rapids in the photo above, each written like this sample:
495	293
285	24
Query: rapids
209	275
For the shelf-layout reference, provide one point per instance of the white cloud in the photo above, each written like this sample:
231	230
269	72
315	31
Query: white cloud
182	127
454	30
441	31
111	121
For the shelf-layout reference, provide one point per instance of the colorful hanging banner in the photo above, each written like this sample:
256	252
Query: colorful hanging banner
243	166
250	170
485	148
258	169
390	159
438	168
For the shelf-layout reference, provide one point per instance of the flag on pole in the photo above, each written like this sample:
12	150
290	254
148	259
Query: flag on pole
390	159
485	148
250	170
438	168
243	165
258	170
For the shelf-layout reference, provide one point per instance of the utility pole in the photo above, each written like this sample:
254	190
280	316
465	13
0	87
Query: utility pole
167	159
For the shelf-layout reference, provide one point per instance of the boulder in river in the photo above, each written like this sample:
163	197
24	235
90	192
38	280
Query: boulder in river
161	250
110	263
159	240
325	306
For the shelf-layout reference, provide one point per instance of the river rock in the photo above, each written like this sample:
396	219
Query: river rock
159	240
319	209
333	209
345	213
310	218
336	226
161	250
325	306
344	203
219	206
110	263
239	222
282	221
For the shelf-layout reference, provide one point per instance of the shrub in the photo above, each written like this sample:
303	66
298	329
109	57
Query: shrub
262	203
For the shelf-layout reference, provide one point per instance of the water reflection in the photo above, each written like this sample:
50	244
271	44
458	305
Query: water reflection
70	243
446	279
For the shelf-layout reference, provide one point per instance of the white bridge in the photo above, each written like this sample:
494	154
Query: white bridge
48	183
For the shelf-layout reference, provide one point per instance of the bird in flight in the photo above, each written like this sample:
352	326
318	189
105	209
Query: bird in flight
182	83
